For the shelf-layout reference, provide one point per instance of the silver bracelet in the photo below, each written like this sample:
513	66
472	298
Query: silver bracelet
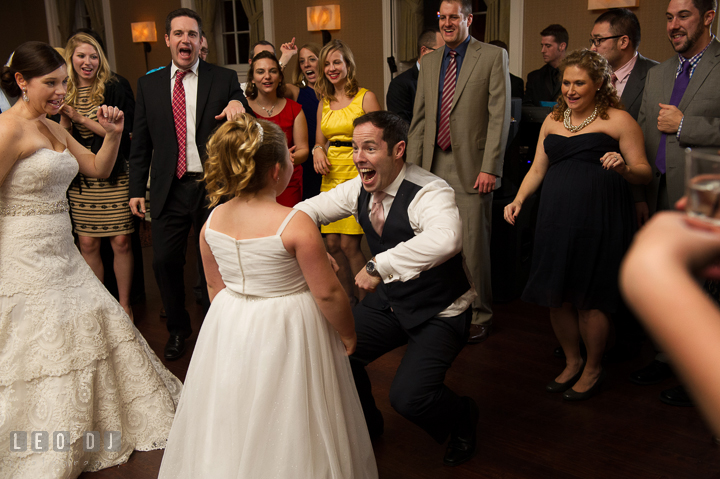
316	147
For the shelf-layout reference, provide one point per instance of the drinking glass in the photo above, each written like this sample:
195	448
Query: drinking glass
702	182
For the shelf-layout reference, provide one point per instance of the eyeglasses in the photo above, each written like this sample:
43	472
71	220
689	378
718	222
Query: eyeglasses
598	40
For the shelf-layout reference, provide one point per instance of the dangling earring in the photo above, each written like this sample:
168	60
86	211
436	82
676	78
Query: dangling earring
25	97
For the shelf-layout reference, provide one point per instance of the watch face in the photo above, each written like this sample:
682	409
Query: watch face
370	267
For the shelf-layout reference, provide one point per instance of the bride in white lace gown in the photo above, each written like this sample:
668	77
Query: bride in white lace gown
70	359
269	392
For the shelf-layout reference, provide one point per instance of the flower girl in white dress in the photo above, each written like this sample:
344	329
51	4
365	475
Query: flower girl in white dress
269	391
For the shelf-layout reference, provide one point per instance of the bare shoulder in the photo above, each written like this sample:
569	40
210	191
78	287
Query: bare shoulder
12	135
301	224
551	125
621	121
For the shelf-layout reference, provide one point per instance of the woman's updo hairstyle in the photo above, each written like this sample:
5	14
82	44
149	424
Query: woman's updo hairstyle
599	71
241	153
31	60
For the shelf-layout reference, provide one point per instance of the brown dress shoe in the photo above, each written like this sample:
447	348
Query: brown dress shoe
479	332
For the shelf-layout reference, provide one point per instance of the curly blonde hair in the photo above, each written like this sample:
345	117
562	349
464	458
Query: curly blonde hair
298	77
241	153
599	72
323	87
103	75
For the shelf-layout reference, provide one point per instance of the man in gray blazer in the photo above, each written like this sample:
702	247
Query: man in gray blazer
616	36
695	120
673	119
459	131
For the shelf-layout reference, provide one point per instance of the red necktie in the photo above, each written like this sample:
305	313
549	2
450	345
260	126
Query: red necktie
377	213
180	116
443	139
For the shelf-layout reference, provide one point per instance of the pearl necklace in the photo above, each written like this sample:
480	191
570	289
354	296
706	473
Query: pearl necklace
574	129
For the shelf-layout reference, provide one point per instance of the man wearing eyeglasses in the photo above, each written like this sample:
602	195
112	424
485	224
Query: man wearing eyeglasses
616	36
401	91
543	84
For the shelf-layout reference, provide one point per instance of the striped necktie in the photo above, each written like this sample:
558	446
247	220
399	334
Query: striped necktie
443	139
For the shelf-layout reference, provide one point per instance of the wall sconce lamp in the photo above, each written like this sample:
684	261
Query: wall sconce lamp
323	18
144	32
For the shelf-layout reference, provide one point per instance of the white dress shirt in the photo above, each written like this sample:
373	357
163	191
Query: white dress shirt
433	216
190	83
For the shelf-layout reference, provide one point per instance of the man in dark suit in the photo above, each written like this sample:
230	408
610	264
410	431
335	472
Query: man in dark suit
543	84
419	293
616	36
680	108
176	110
517	85
401	92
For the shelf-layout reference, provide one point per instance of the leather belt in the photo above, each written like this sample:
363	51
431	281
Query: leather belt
341	143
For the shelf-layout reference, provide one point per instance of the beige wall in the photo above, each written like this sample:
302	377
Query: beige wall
361	28
20	22
129	56
574	15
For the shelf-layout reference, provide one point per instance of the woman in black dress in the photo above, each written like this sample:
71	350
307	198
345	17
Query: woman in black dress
588	153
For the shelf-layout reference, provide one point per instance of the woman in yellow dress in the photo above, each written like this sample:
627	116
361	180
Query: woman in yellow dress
341	101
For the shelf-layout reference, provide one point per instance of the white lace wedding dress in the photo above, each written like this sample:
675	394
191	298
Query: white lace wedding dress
70	359
269	392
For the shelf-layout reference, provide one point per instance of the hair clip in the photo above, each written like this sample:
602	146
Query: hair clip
260	130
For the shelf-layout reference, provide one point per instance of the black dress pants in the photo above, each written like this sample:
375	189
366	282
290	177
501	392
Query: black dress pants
183	209
418	391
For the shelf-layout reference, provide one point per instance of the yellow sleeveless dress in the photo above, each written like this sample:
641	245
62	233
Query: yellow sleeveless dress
337	125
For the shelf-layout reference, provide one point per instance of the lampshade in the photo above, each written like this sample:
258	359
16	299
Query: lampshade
144	32
324	17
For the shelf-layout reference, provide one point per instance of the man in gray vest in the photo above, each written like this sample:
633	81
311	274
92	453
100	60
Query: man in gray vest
419	293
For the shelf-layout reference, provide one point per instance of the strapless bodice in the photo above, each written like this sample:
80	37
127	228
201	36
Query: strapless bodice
589	147
36	185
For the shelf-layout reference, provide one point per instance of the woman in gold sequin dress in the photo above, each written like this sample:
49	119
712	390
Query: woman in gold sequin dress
99	206
341	101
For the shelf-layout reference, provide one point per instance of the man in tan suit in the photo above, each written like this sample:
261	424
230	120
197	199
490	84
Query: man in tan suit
459	131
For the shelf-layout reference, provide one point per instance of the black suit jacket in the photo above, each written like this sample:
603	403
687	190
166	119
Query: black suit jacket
154	128
517	87
633	92
400	97
539	86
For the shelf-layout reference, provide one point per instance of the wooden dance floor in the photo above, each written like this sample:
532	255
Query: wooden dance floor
524	432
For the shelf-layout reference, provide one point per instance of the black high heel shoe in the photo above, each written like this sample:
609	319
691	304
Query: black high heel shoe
556	387
572	395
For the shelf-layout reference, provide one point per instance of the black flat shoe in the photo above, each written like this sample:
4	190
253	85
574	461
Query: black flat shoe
463	440
556	387
653	373
572	395
676	396
175	347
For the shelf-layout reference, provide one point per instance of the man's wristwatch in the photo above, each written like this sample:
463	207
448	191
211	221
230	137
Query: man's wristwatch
371	268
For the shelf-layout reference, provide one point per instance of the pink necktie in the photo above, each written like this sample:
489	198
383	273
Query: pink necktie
180	116
377	214
443	139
